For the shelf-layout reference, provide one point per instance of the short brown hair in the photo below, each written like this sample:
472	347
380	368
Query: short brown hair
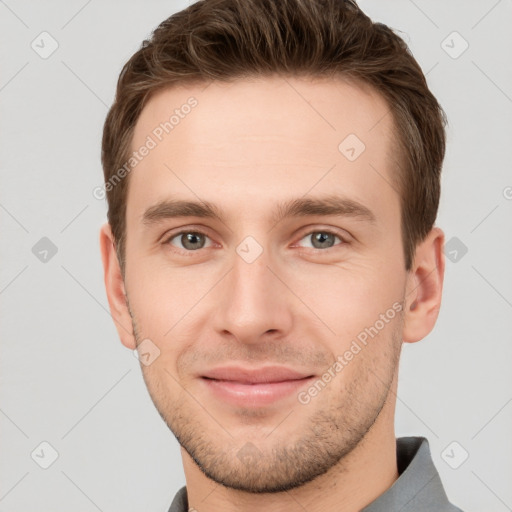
226	40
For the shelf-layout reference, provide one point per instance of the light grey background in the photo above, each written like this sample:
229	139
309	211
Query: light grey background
66	379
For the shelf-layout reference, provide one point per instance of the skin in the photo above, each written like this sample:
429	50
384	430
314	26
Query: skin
246	147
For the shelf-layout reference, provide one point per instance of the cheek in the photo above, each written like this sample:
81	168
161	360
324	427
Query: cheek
352	296
167	304
162	295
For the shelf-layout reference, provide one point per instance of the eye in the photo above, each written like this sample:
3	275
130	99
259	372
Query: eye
322	239
188	240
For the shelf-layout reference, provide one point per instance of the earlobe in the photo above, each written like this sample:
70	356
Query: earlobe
114	286
424	287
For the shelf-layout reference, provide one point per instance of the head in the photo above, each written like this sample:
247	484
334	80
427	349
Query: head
281	213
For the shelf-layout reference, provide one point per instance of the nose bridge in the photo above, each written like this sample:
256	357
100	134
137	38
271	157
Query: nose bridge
253	301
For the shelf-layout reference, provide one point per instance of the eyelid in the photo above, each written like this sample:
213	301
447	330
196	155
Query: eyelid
172	233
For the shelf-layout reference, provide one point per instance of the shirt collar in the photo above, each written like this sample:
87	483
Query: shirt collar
418	487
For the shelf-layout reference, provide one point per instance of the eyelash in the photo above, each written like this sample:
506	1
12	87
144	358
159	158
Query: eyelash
168	239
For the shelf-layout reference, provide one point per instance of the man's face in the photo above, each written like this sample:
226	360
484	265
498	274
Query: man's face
254	289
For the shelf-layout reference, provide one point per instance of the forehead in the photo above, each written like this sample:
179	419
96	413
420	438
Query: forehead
250	141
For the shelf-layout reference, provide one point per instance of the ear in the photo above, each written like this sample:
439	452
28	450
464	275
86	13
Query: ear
424	287
115	289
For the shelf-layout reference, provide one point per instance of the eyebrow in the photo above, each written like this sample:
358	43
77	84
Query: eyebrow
332	205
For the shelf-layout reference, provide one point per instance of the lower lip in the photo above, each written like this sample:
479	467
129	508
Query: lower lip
254	395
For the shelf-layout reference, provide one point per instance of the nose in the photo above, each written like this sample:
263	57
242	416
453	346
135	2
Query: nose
253	302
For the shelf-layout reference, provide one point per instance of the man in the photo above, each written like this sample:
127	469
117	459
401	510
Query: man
272	171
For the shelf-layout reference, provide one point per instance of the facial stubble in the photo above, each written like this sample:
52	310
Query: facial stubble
278	463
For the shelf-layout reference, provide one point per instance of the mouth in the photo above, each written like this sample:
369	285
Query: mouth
254	387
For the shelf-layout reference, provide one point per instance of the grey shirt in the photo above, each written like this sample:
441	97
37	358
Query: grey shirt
417	489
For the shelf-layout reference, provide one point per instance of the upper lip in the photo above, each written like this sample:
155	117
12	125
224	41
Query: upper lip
255	375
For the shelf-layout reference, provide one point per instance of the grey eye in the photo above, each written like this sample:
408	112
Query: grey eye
321	239
189	240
